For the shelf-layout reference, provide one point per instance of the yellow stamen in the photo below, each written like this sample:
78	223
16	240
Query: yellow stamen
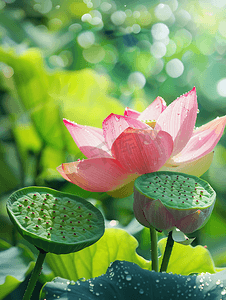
151	123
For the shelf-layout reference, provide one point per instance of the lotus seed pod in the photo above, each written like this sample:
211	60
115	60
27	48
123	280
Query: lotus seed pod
166	200
53	221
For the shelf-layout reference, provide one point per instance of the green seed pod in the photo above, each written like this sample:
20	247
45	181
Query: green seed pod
166	200
54	221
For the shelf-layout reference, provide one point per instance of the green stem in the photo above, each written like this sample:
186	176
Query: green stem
35	274
154	249
167	253
14	238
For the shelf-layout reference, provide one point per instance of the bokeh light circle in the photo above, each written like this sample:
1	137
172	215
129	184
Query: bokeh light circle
94	54
86	18
182	17
105	7
86	39
222	28
136	28
174	68
75	27
163	12
118	17
136	80
158	49
159	31
221	87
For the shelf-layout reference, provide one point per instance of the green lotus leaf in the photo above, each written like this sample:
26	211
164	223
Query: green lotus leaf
15	264
126	280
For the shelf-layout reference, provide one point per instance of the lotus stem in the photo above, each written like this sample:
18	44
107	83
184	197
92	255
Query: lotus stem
35	274
154	249
167	253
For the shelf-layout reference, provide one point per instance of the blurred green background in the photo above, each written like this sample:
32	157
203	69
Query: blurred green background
83	60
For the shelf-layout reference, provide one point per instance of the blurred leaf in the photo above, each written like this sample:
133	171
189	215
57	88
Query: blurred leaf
220	255
186	260
83	98
213	235
69	9
31	81
117	244
13	27
50	159
93	261
29	75
75	189
15	264
7	178
4	245
26	138
214	229
40	37
77	95
47	119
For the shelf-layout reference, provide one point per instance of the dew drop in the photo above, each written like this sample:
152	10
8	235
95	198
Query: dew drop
141	291
128	277
117	119
218	282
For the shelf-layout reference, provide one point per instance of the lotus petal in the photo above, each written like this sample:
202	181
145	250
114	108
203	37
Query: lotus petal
178	119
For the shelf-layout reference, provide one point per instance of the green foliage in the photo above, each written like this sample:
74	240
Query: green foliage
46	98
93	261
117	244
7	177
47	73
186	260
125	280
15	264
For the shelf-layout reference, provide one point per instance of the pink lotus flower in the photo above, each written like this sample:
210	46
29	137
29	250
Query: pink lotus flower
160	138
